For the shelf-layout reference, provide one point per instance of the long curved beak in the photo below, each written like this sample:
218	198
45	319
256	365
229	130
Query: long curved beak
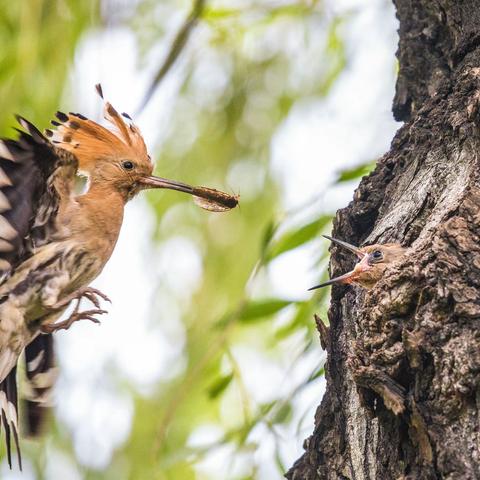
350	276
159	182
350	247
207	198
345	278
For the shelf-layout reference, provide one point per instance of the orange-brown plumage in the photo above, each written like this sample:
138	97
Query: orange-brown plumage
53	243
90	142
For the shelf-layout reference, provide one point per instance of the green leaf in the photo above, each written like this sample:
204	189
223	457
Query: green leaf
267	407
319	372
219	385
278	461
295	238
335	41
336	55
303	316
267	236
283	414
356	172
260	309
210	14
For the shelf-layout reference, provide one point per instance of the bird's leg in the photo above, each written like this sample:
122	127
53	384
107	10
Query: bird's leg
89	293
74	317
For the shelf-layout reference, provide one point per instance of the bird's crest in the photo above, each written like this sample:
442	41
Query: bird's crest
90	141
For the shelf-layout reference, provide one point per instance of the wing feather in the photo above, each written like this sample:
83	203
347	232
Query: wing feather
35	176
32	171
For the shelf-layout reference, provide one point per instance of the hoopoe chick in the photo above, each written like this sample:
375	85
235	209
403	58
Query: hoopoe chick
53	243
374	260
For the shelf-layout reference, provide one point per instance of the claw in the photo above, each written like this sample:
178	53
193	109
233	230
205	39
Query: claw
90	296
89	293
74	317
94	291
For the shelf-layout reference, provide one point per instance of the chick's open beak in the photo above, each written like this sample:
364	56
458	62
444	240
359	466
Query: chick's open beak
346	245
345	278
349	277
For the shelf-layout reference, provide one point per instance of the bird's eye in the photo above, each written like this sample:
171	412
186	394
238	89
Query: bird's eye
377	255
127	165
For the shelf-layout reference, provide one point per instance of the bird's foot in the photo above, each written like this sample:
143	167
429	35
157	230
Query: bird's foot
74	317
92	294
89	293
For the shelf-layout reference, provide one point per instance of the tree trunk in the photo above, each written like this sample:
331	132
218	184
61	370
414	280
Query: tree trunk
403	369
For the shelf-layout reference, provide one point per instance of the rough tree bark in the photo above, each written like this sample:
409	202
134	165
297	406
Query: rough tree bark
403	370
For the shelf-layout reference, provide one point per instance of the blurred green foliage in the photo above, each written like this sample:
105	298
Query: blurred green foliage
216	131
38	39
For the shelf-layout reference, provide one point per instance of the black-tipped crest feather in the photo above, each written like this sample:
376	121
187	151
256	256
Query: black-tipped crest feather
98	88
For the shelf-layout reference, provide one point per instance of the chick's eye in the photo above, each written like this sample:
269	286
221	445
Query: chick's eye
127	165
377	255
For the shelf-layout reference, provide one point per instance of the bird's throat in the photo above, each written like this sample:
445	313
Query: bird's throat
99	218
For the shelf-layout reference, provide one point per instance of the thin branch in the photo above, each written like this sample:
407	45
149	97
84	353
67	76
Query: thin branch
176	48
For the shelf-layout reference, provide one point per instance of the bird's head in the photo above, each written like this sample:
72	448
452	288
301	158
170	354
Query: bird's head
117	157
373	260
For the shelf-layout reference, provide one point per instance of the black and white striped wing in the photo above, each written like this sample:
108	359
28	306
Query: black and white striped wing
34	178
31	170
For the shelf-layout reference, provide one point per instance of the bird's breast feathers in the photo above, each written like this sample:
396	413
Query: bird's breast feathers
72	264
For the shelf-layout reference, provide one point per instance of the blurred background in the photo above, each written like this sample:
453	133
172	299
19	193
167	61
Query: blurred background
208	365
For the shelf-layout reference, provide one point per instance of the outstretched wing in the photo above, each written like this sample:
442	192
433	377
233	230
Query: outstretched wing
35	178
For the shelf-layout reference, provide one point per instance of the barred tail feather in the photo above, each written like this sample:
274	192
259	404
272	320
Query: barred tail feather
41	375
9	413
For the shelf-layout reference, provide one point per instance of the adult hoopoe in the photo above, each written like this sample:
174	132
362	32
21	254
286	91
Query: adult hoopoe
53	243
374	260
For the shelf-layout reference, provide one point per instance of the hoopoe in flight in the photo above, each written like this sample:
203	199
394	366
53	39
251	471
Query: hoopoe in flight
374	260
53	242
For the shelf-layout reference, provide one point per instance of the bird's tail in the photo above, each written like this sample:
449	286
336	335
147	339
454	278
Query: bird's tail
41	375
9	413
